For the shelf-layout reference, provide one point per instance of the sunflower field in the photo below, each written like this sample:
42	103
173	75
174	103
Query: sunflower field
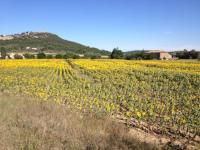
161	93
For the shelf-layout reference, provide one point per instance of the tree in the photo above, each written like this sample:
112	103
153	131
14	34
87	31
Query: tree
17	56
95	56
116	54
41	56
59	56
130	57
49	56
29	56
76	57
3	53
199	56
44	49
68	55
185	54
193	54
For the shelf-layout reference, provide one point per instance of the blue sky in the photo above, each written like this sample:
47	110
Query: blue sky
127	24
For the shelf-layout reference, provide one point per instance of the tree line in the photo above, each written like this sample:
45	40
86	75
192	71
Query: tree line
115	54
142	54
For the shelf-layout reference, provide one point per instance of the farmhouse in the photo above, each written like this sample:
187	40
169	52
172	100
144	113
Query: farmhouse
159	55
5	55
104	57
27	48
34	48
15	56
11	55
81	55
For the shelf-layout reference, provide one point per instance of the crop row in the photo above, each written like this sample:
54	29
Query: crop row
165	93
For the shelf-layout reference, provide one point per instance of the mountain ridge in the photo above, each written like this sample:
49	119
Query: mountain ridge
47	42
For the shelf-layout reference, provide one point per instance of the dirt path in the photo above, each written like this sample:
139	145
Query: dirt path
163	141
78	72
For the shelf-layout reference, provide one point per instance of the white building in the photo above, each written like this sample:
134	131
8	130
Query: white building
6	37
81	55
34	48
104	57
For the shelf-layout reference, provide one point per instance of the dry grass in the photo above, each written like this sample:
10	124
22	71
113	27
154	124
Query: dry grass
28	125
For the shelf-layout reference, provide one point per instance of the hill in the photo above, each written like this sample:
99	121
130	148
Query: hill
47	42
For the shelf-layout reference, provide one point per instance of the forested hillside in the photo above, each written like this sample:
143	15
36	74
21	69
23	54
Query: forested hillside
43	41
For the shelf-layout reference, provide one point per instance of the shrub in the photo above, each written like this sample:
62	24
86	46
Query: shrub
59	56
17	56
95	57
41	55
76	57
68	55
3	52
29	56
49	56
